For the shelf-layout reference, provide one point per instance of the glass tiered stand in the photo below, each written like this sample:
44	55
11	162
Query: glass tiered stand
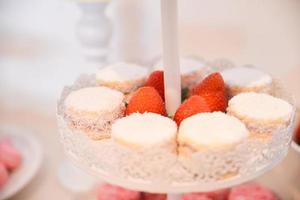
159	171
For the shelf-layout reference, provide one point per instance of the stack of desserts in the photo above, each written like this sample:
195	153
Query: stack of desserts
220	113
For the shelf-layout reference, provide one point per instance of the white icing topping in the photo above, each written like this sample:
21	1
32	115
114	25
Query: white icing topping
245	77
187	65
212	130
145	129
260	106
121	72
94	99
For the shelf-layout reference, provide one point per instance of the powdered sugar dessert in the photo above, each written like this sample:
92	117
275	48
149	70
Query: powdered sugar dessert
92	110
192	70
246	79
145	131
125	77
210	131
262	113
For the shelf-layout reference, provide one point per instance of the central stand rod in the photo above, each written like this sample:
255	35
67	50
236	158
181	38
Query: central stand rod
171	55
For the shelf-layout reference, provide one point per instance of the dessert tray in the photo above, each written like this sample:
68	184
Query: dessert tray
157	170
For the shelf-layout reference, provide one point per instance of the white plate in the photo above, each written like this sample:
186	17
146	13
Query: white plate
32	155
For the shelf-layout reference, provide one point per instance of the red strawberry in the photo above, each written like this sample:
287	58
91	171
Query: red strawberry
297	134
212	83
146	99
156	80
193	105
216	101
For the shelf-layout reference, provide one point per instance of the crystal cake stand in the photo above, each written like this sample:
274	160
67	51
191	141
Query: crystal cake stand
159	171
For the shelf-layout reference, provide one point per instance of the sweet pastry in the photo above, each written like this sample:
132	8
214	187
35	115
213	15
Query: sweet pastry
92	110
210	131
125	77
10	157
145	131
112	192
262	113
250	192
192	70
246	79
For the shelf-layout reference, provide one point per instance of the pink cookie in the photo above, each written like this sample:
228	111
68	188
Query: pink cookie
153	196
3	175
215	195
9	155
110	192
251	192
194	196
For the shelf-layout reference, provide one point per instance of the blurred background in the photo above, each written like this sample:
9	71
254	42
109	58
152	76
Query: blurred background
40	52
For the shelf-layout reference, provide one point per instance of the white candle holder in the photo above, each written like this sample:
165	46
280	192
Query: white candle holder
94	30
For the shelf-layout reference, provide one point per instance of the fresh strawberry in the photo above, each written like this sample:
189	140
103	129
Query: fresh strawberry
156	80
146	99
193	105
216	101
297	134
212	83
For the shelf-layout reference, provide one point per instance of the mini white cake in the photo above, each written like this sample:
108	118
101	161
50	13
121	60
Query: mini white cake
192	71
92	110
246	79
145	131
125	77
210	131
262	113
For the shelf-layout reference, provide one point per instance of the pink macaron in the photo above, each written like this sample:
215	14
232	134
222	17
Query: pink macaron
111	192
215	195
153	196
3	175
9	155
195	196
251	191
